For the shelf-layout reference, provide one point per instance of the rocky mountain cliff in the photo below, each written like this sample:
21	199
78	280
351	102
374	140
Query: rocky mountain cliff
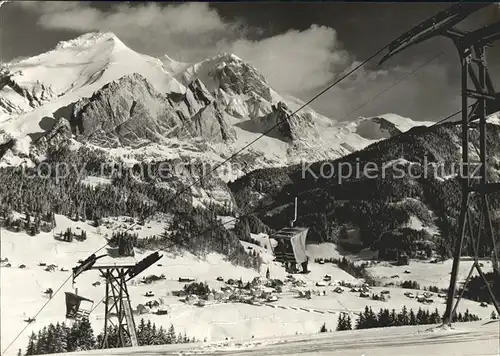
95	93
114	97
130	112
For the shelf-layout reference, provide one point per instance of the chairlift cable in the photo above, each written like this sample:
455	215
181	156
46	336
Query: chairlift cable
38	313
279	122
406	76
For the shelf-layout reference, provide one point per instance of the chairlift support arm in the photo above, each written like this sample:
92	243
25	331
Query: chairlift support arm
440	24
471	46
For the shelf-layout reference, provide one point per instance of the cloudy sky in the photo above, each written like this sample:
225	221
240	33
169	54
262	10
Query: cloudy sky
299	47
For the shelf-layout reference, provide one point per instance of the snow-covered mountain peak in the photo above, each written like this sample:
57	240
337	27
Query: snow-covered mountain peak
95	46
117	97
385	126
76	69
229	73
90	40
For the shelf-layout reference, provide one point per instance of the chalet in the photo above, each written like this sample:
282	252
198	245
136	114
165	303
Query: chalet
142	309
403	260
186	279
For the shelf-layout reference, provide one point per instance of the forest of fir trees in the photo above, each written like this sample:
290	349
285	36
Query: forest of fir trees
387	318
60	338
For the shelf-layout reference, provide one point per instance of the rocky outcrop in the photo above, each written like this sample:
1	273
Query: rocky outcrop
237	77
129	111
58	137
288	127
18	98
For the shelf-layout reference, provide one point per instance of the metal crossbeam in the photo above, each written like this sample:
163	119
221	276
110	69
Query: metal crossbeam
434	26
117	299
482	36
471	47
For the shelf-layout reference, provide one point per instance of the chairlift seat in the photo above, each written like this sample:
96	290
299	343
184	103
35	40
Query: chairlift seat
73	306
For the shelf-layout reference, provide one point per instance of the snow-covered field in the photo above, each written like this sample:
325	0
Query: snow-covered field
426	274
467	339
22	289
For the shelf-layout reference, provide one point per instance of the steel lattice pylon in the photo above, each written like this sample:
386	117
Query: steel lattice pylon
471	47
472	51
118	300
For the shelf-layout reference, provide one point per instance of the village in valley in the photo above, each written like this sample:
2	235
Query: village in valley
272	301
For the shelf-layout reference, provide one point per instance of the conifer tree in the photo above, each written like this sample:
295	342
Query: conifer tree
413	318
86	339
403	317
60	339
42	341
348	323
361	322
384	318
140	332
435	318
162	336
340	322
153	336
171	337
32	341
323	328
393	318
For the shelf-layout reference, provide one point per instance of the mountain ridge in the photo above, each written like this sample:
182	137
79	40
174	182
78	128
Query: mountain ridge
242	105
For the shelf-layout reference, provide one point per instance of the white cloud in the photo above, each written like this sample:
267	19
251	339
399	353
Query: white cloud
297	62
193	31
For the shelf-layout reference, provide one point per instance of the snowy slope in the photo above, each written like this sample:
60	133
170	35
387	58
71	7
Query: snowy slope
385	126
468	339
38	91
22	289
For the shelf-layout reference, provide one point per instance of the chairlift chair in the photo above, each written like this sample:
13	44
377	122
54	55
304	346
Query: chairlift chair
74	310
291	246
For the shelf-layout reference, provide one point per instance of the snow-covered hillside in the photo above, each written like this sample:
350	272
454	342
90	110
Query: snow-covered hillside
385	126
144	101
468	339
23	288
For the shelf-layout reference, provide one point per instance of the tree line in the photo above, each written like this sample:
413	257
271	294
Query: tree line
44	193
386	318
60	338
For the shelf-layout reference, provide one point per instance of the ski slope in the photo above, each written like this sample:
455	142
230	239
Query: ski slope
467	339
22	290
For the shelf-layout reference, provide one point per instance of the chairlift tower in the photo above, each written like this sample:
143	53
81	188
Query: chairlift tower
117	298
471	48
